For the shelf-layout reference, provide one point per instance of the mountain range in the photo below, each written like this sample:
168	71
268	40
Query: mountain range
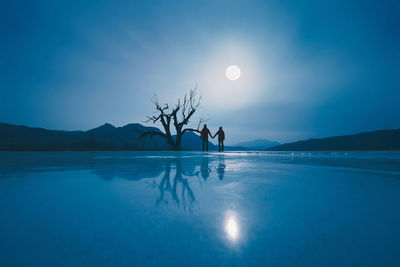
258	144
377	140
108	137
105	137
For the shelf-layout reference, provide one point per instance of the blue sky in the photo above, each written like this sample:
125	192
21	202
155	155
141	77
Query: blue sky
309	68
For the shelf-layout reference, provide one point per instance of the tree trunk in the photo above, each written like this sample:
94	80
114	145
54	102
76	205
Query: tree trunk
178	139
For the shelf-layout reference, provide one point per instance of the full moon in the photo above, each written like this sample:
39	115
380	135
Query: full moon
233	72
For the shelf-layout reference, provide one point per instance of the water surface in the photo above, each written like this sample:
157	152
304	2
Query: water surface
199	209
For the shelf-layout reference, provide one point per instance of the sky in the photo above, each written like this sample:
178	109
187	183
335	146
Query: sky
309	68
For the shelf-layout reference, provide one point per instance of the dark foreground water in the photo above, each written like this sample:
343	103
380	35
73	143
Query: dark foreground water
195	209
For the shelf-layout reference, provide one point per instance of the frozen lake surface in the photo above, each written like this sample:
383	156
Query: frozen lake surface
199	209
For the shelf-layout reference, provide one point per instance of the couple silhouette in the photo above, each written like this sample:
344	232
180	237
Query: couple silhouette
205	132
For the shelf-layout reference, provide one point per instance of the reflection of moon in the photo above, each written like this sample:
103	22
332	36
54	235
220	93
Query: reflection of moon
233	72
231	226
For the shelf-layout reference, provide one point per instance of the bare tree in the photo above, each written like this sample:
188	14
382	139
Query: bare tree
179	117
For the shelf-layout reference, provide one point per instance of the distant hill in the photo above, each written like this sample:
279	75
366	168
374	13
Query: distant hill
378	140
105	137
259	144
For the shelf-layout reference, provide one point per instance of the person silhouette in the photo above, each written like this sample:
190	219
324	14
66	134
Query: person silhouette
221	138
204	136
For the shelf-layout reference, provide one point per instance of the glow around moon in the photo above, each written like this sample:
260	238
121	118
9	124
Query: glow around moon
242	83
233	72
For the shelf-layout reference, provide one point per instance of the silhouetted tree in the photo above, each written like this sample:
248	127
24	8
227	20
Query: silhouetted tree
179	117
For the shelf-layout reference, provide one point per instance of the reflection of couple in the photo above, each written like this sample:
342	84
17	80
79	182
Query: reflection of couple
205	132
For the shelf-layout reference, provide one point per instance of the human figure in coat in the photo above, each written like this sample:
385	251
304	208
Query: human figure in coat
221	138
205	132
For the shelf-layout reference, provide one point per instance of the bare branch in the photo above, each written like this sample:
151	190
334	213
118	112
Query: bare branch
189	106
153	133
152	119
197	130
201	121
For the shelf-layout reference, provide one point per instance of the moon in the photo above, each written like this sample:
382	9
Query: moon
233	72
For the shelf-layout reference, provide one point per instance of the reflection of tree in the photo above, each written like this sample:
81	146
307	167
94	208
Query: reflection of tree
172	184
179	188
185	196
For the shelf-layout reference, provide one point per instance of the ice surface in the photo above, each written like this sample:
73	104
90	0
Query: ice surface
199	209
